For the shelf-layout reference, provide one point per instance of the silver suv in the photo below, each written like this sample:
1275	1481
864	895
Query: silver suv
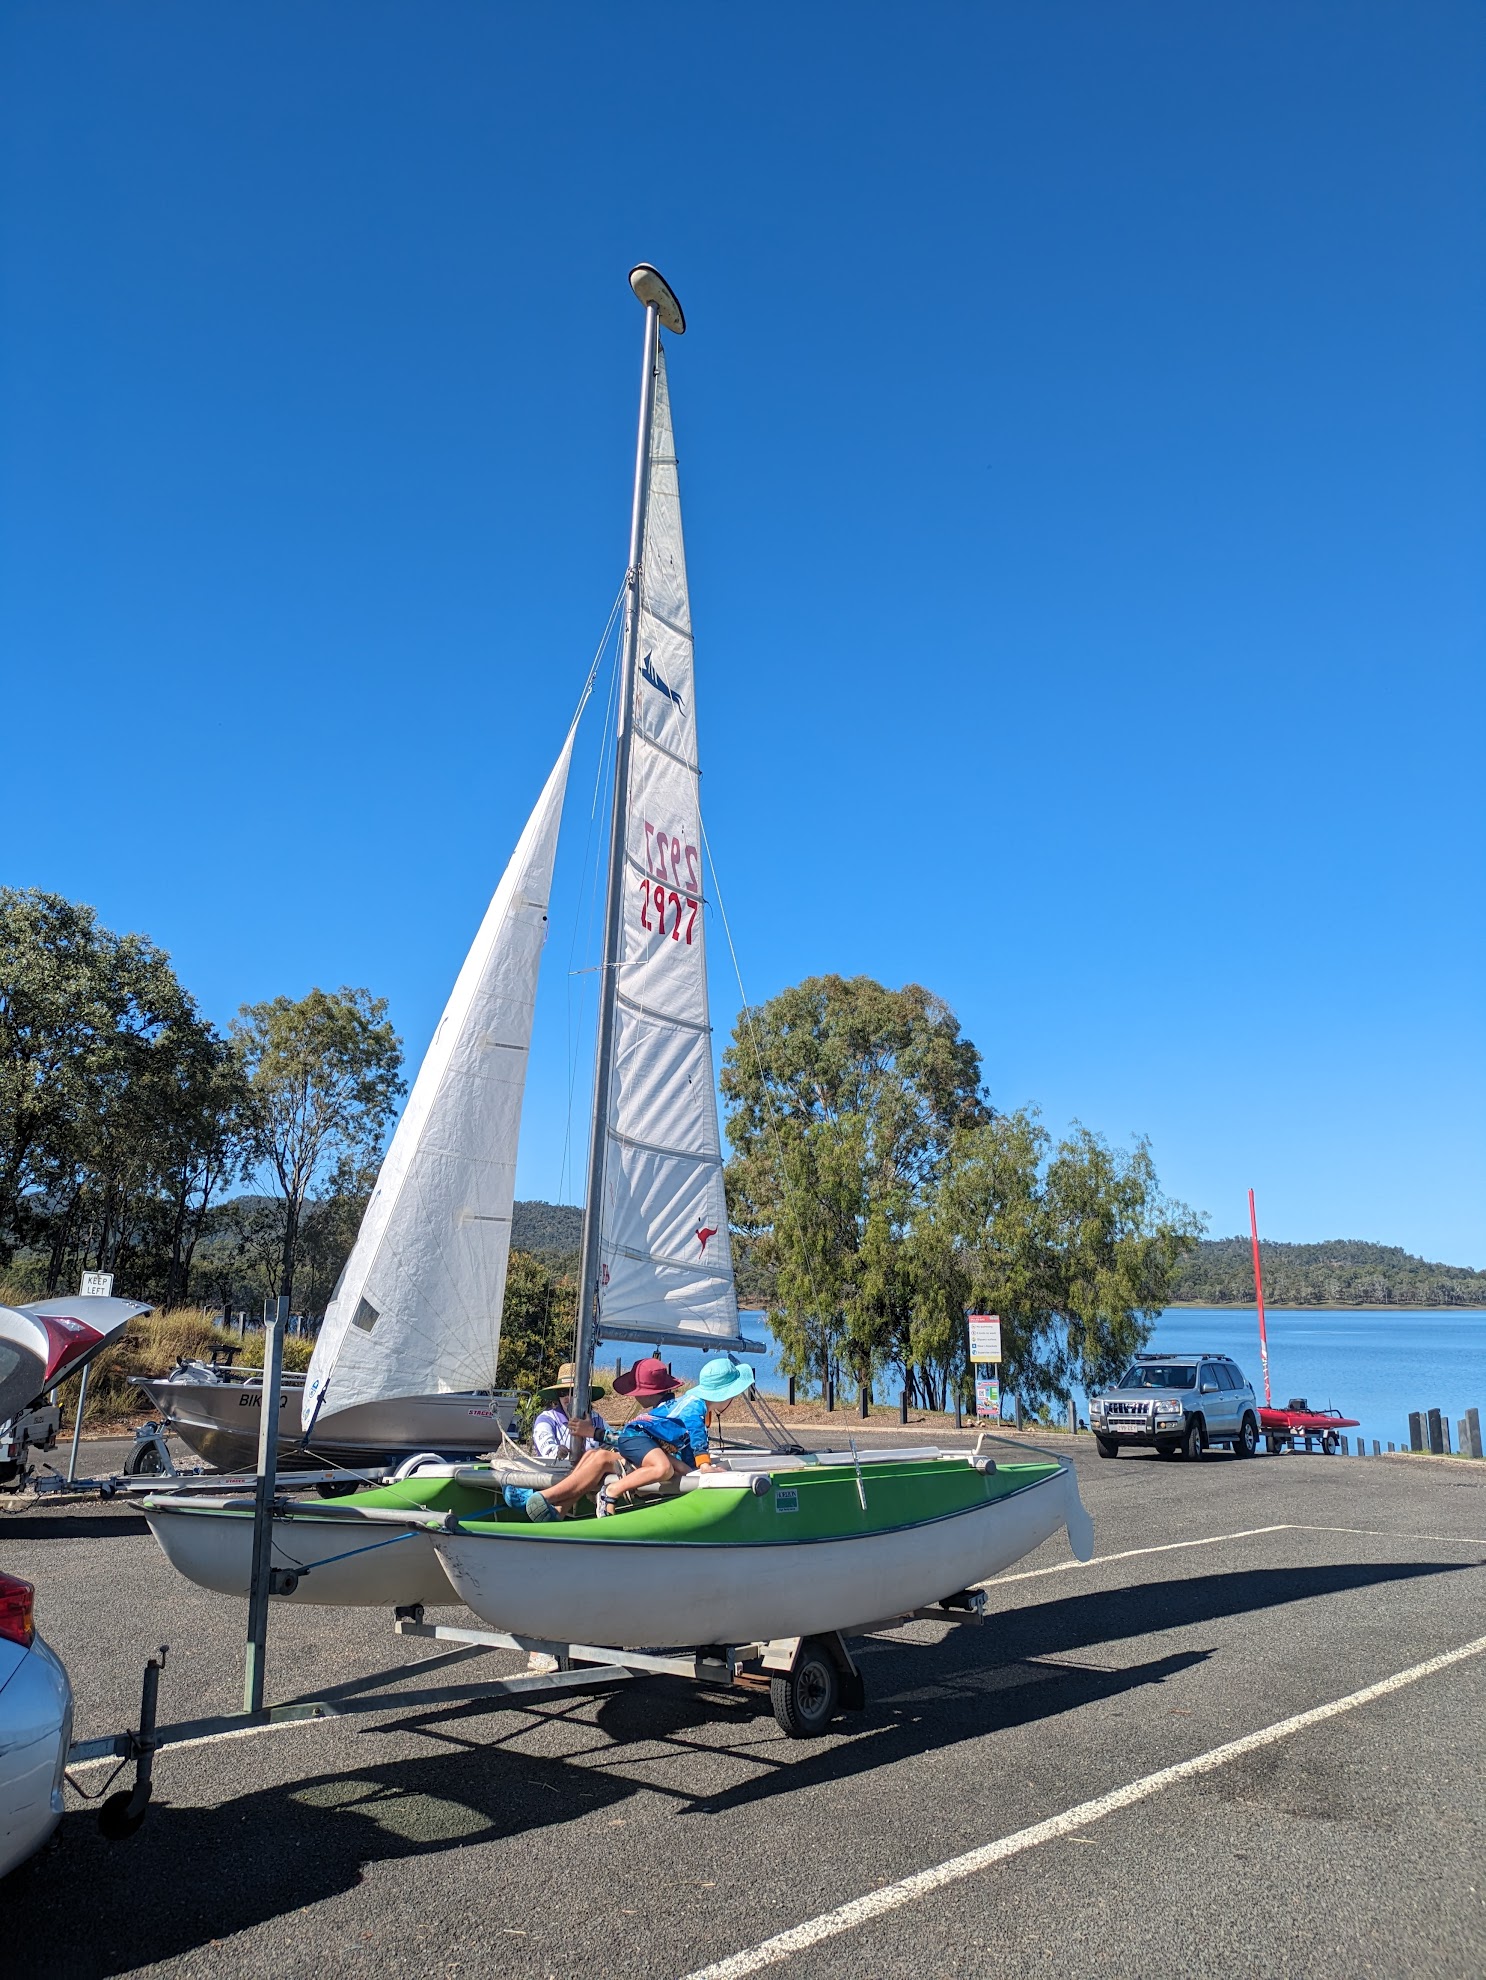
1178	1402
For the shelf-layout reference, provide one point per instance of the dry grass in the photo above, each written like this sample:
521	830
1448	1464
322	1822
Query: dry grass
152	1345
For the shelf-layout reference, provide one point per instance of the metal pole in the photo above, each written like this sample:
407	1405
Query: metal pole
1259	1298
261	1583
77	1427
588	1281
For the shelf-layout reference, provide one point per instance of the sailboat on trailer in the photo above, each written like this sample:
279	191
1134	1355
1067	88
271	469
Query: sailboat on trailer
775	1542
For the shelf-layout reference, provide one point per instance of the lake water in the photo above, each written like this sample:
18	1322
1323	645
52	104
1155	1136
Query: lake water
1372	1363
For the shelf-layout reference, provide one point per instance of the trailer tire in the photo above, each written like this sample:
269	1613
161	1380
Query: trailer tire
805	1699
1274	1445
1330	1445
1247	1441
1107	1446
143	1462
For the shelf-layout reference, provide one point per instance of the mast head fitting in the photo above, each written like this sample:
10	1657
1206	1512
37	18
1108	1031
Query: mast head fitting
652	288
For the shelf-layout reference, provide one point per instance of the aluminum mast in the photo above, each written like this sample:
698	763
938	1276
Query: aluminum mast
661	306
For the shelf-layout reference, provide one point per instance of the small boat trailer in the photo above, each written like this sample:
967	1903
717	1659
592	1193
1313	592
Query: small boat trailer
1299	1427
808	1680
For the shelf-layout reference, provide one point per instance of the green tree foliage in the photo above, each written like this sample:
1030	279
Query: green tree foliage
843	1099
120	1107
537	1322
324	1078
1340	1272
878	1198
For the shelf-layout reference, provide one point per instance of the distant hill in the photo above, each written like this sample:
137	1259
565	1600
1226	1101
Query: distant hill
552	1232
1340	1272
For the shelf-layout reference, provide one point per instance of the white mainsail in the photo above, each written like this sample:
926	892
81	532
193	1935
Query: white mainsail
666	1269
418	1307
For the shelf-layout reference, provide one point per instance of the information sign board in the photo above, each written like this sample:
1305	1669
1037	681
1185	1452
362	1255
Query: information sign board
985	1337
988	1397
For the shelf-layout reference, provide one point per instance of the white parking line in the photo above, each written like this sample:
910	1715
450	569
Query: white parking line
785	1945
1243	1533
1130	1553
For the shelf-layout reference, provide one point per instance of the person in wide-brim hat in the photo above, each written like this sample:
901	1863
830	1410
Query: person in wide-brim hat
551	1433
723	1378
647	1381
567	1377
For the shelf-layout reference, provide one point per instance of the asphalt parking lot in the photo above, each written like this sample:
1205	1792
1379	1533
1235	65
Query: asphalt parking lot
660	1830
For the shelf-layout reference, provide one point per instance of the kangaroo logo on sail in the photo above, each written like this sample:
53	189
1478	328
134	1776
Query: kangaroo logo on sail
648	673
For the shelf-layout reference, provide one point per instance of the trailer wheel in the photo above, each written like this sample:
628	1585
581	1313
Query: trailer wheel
805	1699
1247	1441
143	1461
1330	1445
1274	1445
119	1817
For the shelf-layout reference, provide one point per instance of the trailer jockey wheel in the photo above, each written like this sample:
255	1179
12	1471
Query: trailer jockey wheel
805	1699
122	1813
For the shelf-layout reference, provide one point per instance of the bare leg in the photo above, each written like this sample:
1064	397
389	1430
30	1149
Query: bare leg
583	1480
652	1470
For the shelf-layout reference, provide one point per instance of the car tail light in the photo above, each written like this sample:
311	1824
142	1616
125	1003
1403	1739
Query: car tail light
17	1602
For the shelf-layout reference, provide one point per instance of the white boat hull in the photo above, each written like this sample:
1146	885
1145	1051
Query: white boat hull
219	1422
658	1592
215	1550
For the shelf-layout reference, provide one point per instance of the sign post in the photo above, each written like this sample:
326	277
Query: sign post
985	1358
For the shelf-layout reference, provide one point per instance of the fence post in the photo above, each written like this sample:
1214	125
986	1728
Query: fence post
1471	1442
1072	1417
1346	1448
1416	1430
1436	1433
791	1391
1377	1449
864	1405
903	1405
1018	1402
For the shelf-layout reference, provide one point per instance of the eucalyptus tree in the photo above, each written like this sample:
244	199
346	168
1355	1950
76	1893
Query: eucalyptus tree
323	1078
843	1099
117	1099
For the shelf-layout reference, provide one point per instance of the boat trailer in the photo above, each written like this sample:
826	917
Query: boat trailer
808	1679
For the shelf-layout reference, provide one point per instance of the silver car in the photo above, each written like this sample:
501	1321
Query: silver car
35	1727
1177	1403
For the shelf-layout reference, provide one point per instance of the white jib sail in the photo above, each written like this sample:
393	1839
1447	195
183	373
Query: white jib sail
666	1268
418	1307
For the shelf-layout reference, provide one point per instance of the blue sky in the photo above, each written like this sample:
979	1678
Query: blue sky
1081	424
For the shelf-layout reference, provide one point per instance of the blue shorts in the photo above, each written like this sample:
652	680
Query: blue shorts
637	1440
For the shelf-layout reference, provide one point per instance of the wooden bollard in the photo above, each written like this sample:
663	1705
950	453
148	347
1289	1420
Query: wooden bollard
1471	1443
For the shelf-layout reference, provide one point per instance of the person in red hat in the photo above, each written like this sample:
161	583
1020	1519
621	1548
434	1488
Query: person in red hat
662	1442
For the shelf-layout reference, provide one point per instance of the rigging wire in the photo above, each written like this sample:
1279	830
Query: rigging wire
575	1027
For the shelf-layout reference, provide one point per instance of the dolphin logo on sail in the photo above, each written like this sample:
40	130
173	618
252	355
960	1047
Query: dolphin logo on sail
648	673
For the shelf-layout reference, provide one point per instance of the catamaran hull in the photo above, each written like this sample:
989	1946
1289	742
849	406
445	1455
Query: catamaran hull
629	1595
215	1550
219	1421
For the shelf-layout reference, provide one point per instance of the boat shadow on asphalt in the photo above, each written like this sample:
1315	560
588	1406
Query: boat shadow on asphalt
74	1526
195	1875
